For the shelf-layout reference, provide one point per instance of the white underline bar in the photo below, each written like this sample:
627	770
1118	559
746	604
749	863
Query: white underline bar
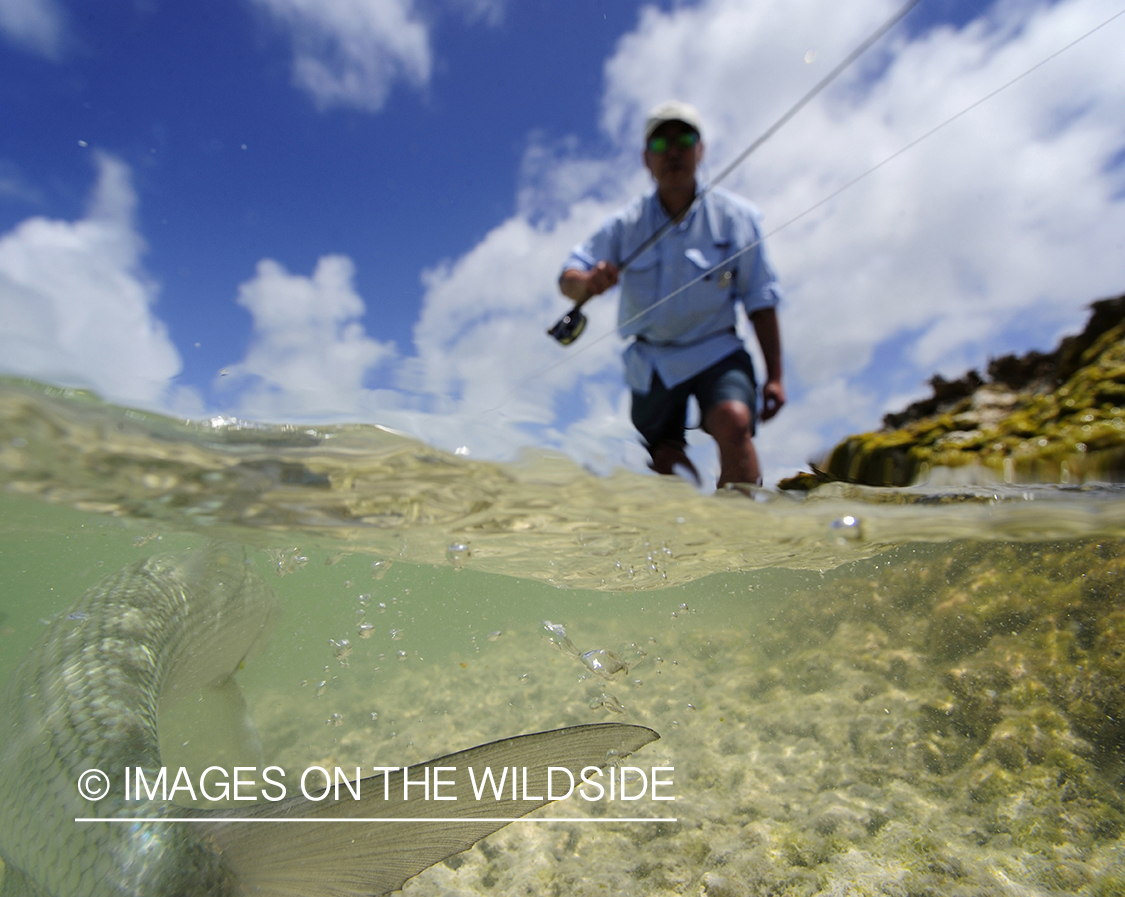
377	819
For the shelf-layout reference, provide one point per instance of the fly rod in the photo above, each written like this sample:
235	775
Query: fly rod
570	326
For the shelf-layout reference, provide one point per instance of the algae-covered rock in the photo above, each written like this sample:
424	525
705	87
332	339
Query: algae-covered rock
1057	418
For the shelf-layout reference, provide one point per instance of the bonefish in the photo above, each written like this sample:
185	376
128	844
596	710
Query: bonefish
88	695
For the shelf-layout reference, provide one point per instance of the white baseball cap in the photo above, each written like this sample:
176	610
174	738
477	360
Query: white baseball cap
673	110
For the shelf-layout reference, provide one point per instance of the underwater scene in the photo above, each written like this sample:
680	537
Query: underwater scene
913	691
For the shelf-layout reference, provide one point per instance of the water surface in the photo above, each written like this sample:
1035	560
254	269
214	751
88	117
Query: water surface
864	692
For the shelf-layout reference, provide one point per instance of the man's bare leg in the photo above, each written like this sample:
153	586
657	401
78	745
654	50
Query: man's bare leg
668	455
729	425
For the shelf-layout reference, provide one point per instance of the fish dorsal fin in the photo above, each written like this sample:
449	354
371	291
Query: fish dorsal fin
332	857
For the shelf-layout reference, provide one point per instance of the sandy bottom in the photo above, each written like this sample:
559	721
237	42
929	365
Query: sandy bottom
799	768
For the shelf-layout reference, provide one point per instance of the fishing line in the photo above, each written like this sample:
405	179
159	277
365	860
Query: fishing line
741	157
847	186
823	201
570	326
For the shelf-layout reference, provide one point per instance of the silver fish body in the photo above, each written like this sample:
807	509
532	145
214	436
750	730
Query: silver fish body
87	696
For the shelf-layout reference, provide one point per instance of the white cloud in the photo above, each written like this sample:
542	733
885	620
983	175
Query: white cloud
350	52
491	12
37	25
1009	218
14	186
77	305
477	379
1008	221
309	354
1008	210
483	352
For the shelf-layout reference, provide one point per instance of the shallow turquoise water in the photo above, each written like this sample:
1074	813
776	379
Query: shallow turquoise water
440	572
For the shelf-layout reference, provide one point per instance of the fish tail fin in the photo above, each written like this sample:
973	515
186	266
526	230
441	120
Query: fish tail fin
332	856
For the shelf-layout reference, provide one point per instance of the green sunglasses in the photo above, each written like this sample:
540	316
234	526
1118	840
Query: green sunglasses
660	145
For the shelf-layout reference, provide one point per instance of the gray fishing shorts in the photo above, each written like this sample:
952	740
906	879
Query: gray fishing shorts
660	415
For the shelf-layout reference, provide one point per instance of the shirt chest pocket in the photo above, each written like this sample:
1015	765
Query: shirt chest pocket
713	265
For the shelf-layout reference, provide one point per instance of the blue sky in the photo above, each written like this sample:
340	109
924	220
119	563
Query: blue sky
356	209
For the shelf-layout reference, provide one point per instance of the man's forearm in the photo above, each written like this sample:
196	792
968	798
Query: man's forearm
769	338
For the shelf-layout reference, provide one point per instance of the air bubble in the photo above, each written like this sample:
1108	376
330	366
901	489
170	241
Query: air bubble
604	663
287	560
846	529
396	634
340	650
608	702
379	568
636	649
457	553
365	629
555	633
365	599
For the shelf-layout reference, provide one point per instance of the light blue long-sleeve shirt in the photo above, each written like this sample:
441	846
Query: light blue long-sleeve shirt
696	328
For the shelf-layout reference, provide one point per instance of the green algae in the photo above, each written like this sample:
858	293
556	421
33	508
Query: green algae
1057	418
1009	666
1111	886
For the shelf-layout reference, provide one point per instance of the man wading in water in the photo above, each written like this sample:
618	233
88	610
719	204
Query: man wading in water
687	345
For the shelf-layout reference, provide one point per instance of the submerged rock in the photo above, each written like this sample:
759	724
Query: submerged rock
1057	417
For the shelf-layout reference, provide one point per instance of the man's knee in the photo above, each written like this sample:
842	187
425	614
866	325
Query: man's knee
731	424
729	421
